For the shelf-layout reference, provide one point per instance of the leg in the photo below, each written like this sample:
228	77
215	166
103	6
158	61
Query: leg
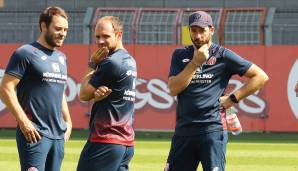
101	157
32	156
55	155
127	157
183	154
213	151
225	140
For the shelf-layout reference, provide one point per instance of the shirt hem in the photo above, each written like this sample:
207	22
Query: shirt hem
131	144
186	133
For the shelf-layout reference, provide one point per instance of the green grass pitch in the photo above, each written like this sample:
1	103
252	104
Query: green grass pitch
247	152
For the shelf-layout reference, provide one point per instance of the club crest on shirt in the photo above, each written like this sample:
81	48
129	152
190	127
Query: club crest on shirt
32	169
55	67
185	60
43	57
215	169
211	60
61	60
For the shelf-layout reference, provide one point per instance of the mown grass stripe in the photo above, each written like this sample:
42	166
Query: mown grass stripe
248	152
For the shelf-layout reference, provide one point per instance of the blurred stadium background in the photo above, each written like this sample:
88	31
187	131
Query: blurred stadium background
238	22
263	31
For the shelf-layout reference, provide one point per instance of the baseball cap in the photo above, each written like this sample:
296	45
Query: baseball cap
200	18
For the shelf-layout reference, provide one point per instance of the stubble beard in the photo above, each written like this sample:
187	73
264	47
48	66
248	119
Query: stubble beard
201	43
50	40
111	49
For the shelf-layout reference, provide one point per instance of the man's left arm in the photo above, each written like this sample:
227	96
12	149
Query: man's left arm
67	118
257	78
88	92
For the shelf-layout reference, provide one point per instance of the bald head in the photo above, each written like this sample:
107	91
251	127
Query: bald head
114	21
108	33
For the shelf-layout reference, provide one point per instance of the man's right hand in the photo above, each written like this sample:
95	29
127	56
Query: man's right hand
101	93
226	102
30	133
99	55
200	55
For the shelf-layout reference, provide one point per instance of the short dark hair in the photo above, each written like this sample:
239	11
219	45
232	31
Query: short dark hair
47	15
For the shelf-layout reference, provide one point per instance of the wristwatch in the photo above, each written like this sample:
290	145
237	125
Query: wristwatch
233	98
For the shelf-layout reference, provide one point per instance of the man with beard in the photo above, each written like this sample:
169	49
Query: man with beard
110	82
198	77
33	91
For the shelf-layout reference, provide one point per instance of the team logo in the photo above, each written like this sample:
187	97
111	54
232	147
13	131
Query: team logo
185	60
61	60
292	80
196	17
211	60
44	58
131	72
55	67
32	169
215	169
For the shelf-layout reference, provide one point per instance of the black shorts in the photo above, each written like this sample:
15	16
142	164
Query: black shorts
105	157
46	154
208	149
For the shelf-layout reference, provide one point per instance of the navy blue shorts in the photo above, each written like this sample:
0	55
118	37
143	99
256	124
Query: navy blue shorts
105	157
208	149
47	154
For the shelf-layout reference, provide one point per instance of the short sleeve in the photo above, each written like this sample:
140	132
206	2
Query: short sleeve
235	63
17	64
175	68
106	71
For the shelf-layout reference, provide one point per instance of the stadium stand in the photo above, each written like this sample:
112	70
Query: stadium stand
18	26
83	4
127	15
22	26
76	24
243	26
158	26
285	27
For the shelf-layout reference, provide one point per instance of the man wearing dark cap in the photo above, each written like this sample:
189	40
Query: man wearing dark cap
198	77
